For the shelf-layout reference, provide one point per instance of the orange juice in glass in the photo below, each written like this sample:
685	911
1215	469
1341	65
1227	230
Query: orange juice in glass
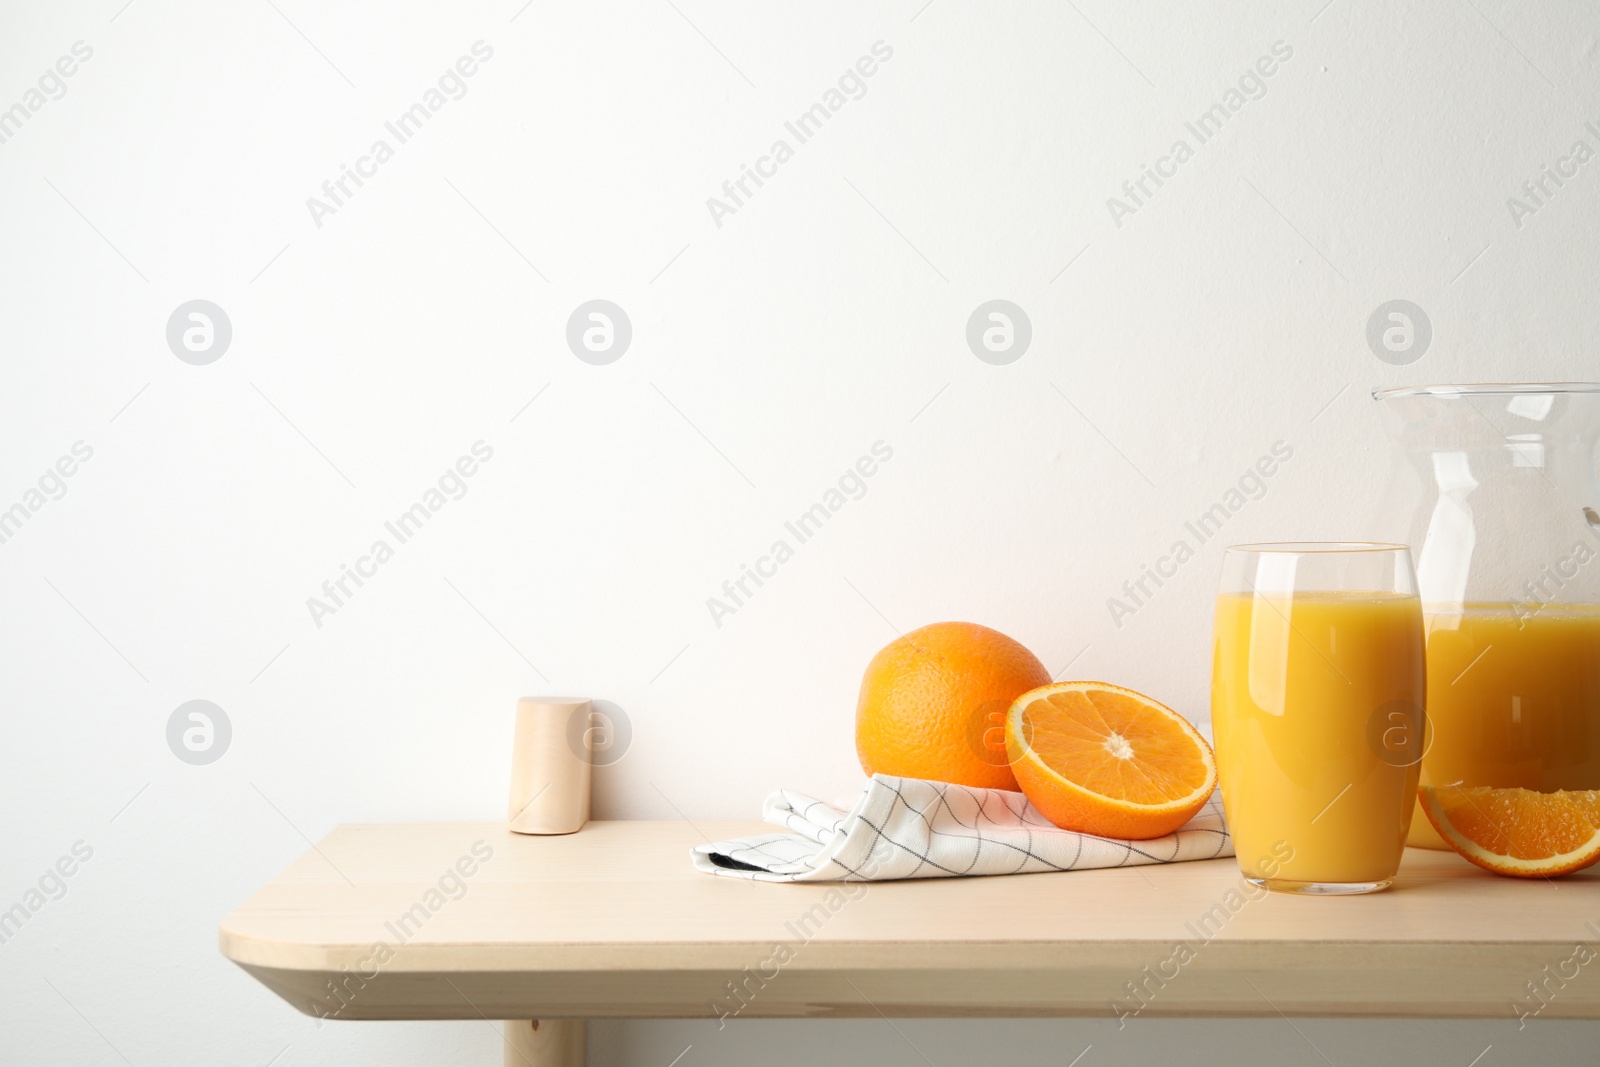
1317	697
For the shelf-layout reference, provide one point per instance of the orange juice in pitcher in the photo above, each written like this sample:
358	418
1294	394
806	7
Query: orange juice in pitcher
1514	697
1498	499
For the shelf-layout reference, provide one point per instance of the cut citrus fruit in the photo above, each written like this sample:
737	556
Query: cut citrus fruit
1101	759
1517	831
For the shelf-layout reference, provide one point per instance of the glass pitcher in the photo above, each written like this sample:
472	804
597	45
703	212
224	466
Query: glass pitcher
1496	494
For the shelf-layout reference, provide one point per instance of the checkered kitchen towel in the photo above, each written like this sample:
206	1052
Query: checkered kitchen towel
911	828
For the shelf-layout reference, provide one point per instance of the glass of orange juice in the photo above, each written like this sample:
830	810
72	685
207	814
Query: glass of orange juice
1317	697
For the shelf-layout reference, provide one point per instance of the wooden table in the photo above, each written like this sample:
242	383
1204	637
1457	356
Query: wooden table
469	921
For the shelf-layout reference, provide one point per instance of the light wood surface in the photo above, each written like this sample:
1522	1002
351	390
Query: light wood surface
613	922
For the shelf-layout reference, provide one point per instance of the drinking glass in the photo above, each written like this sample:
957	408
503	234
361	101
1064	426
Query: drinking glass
1317	697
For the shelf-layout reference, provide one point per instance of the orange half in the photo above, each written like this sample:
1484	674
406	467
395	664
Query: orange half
1517	831
1101	759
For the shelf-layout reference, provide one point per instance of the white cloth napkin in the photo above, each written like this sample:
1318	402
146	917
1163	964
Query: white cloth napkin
911	828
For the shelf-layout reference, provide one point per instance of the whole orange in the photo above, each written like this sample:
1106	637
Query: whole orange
933	704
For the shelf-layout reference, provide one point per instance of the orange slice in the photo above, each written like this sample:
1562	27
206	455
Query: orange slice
1101	759
1517	831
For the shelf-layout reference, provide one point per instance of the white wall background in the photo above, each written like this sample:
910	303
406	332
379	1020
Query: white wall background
768	354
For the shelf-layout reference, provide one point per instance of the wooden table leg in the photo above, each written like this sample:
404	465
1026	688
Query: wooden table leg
546	1043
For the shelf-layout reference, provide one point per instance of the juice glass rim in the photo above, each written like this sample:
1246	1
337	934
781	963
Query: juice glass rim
1306	547
1485	389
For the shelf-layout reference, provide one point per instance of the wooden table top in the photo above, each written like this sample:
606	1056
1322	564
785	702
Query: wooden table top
467	920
